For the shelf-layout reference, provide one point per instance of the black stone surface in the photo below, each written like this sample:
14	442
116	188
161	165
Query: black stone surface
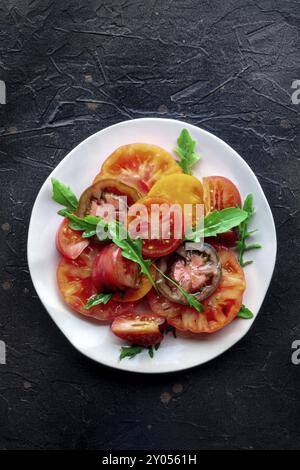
74	67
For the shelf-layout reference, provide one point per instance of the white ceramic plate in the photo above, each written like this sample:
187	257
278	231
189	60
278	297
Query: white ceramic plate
77	170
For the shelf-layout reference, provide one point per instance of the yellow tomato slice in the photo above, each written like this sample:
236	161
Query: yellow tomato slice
179	188
139	165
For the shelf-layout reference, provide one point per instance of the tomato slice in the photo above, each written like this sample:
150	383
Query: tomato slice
69	242
219	309
141	329
180	188
134	294
162	306
168	229
112	271
106	191
76	287
139	165
219	193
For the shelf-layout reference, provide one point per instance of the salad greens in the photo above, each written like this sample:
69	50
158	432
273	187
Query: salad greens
63	195
186	152
132	351
245	313
96	300
218	222
244	234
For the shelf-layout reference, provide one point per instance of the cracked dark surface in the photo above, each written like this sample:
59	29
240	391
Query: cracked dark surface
74	67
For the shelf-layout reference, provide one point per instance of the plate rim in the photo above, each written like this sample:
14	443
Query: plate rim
120	365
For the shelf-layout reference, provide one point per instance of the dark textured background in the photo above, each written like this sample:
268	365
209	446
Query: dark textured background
75	67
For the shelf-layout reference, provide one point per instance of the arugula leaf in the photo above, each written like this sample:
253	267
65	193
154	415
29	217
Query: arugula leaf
87	224
96	300
192	301
170	328
186	151
218	222
88	233
63	195
244	233
77	223
150	351
245	313
130	351
221	221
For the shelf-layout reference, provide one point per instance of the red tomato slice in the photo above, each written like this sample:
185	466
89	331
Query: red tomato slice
69	242
140	329
219	193
166	242
162	306
112	271
219	309
139	165
76	287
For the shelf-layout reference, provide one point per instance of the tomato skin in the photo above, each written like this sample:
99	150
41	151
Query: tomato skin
161	306
100	186
227	239
155	248
219	193
219	309
134	294
139	165
112	271
76	287
69	242
141	329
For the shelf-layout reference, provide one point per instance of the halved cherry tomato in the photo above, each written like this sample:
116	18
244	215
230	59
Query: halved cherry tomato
112	271
219	309
69	242
133	294
169	225
140	329
139	165
76	287
219	193
106	191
